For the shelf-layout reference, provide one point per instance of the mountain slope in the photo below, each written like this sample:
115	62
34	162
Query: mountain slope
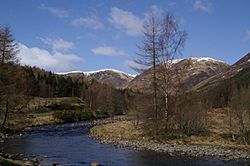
220	90
193	71
232	71
112	77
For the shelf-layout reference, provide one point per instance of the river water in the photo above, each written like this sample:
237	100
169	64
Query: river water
70	145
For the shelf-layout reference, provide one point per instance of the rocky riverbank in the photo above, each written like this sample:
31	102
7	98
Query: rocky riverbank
8	159
120	139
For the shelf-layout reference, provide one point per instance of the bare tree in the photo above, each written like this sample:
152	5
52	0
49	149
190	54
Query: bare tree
239	111
163	41
10	74
8	46
149	52
190	118
171	43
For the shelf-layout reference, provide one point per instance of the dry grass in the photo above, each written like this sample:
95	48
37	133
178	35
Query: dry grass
44	102
37	112
120	130
216	135
18	121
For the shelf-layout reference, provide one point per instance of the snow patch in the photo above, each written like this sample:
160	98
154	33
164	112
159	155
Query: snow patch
199	59
239	70
97	71
176	61
71	72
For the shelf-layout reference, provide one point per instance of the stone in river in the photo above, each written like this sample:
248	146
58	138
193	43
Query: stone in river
94	164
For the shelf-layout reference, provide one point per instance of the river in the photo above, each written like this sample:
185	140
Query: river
70	145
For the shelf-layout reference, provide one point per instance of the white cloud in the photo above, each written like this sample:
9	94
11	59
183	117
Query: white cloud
57	12
91	21
126	21
57	43
107	51
56	61
132	24
203	5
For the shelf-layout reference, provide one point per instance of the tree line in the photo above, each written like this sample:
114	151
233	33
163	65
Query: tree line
19	84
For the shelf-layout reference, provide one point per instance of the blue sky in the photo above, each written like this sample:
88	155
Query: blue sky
95	34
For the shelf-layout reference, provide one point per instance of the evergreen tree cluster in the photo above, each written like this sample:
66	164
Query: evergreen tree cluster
220	94
99	98
47	84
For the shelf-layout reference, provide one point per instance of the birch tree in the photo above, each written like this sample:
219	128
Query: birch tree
171	42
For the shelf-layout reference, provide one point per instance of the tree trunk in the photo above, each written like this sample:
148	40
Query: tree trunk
155	98
6	114
166	110
72	92
3	52
154	75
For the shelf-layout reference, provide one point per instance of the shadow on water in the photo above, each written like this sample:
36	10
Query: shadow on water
69	144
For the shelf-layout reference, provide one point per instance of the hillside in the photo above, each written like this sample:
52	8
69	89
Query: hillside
193	71
241	65
112	77
220	90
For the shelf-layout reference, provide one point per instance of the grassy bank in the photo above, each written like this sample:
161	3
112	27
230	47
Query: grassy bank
44	111
219	133
126	130
18	121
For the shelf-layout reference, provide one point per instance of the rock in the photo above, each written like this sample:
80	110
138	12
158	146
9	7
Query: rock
11	156
231	158
2	135
34	159
27	163
94	164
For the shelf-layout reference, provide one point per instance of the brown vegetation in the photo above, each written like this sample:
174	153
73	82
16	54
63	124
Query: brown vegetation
218	133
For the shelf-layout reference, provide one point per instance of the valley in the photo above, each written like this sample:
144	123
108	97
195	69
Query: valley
124	83
43	111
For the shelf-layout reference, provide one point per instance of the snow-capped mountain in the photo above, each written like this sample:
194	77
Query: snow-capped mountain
232	70
196	72
193	71
199	59
88	73
113	77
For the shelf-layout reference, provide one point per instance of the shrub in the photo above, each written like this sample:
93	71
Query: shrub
61	107
68	116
